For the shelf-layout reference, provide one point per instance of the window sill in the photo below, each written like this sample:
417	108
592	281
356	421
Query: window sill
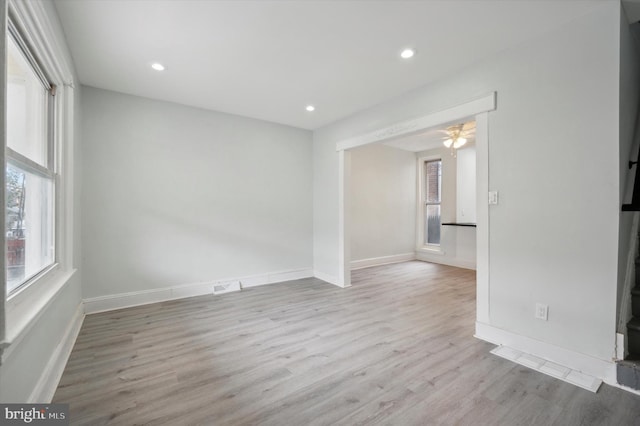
25	307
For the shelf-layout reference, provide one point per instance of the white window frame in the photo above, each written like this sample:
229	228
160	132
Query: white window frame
24	306
27	164
421	245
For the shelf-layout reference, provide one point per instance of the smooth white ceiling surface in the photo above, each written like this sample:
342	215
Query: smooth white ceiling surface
269	59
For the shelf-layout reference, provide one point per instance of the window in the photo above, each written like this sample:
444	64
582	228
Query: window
30	178
432	200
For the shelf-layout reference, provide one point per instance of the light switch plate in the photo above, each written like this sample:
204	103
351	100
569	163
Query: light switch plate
493	197
542	311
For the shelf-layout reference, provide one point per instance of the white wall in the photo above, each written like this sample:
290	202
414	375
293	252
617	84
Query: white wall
383	202
629	99
466	185
554	235
176	195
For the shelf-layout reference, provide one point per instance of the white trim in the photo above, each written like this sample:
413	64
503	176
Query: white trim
384	260
25	309
326	278
483	284
478	108
65	190
406	128
620	346
274	277
629	279
421	203
50	377
625	388
431	249
344	215
32	19
439	258
601	369
136	298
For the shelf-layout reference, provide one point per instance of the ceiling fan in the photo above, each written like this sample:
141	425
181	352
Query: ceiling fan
458	134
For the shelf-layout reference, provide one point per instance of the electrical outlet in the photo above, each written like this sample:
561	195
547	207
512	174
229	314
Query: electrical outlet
542	311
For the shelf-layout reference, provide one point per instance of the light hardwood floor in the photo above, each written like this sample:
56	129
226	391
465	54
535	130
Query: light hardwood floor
396	348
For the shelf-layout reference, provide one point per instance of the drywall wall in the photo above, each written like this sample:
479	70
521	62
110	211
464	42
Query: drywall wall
383	196
554	236
457	244
174	195
629	100
466	185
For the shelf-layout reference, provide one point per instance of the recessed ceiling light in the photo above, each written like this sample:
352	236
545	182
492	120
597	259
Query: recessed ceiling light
407	53
310	108
157	66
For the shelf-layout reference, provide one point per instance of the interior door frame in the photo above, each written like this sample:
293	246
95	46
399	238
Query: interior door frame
477	109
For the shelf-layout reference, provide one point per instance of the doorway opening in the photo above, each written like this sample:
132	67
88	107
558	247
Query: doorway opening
476	110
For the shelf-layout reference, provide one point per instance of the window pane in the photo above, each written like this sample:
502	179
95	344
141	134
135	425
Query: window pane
433	173
27	104
29	225
432	224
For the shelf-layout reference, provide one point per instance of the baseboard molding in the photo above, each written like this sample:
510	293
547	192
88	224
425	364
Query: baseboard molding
384	260
443	260
50	377
326	278
601	369
126	300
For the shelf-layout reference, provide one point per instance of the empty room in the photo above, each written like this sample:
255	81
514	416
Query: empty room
320	212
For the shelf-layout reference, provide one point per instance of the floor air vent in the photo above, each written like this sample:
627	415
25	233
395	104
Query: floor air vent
226	287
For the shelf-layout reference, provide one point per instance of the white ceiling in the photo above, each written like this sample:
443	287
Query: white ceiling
268	59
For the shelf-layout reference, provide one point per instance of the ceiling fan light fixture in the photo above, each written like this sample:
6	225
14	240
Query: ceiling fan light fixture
448	143
459	142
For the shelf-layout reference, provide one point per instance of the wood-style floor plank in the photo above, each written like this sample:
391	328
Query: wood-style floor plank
396	348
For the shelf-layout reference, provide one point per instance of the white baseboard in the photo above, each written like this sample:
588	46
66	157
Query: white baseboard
601	369
384	260
443	260
48	383
326	278
136	298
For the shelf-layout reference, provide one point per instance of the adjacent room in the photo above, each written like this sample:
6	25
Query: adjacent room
321	212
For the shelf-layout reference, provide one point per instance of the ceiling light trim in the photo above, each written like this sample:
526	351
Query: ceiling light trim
408	53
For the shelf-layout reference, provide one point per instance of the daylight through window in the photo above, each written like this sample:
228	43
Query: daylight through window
30	179
432	200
